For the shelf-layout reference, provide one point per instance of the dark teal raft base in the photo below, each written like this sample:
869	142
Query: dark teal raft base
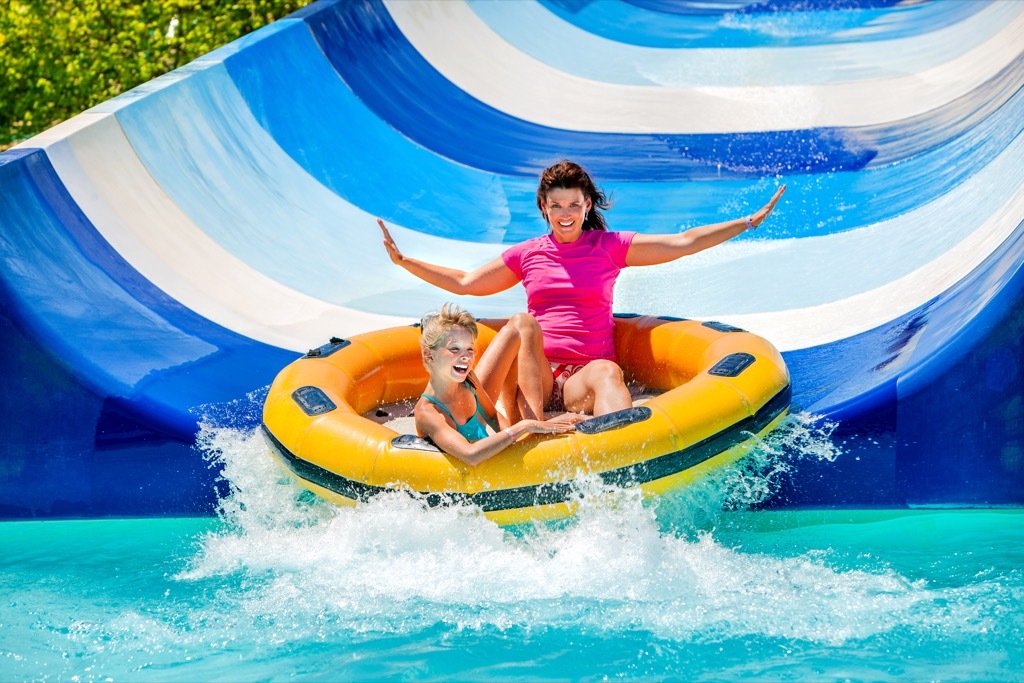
552	492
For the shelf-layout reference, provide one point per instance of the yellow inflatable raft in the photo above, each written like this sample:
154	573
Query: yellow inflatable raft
720	388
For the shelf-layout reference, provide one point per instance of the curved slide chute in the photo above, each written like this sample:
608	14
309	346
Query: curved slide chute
168	251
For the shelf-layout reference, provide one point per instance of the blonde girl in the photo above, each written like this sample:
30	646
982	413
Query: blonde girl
457	407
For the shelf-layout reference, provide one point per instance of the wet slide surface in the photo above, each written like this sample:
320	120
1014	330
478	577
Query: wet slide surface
167	252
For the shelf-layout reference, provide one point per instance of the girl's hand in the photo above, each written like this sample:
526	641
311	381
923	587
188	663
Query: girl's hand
761	214
547	426
389	244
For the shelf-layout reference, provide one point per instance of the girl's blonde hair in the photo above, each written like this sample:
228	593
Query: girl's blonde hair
434	327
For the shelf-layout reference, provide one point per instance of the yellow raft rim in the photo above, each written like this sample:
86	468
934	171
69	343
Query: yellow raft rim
722	389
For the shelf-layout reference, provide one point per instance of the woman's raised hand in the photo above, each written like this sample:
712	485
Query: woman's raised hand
761	214
389	244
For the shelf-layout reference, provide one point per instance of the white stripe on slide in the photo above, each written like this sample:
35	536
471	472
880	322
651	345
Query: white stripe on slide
472	56
119	196
534	30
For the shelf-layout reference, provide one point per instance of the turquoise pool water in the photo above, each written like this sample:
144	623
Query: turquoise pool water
280	586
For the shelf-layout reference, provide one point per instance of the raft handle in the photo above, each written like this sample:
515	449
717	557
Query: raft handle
414	443
327	349
313	401
619	418
722	327
732	365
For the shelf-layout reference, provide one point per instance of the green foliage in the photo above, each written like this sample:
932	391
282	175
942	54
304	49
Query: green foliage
58	57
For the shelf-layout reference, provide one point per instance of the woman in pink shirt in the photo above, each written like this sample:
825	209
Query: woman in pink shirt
566	359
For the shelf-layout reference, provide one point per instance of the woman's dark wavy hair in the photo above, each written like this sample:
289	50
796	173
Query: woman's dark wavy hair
568	175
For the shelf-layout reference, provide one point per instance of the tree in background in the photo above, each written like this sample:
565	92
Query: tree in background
59	57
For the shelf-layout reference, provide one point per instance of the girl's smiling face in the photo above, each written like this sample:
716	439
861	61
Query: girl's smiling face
454	357
565	210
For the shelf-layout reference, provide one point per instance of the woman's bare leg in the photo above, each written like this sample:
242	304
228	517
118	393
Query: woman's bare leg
599	388
534	376
497	369
528	382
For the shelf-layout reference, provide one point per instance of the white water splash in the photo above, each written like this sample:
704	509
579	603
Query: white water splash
753	480
393	565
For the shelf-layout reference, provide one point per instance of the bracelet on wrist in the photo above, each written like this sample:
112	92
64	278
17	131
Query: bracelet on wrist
750	224
511	434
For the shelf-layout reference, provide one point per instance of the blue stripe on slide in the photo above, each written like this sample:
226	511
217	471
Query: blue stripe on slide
96	314
359	156
199	141
860	374
367	49
379	65
671	24
867	55
388	175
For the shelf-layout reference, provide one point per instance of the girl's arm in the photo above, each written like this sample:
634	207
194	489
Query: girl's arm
432	423
649	250
489	278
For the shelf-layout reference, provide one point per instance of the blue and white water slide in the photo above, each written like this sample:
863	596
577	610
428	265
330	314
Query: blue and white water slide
165	253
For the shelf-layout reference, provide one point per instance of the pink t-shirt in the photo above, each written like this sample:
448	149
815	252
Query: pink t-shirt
569	290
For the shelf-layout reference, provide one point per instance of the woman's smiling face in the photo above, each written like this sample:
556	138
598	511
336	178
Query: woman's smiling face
565	210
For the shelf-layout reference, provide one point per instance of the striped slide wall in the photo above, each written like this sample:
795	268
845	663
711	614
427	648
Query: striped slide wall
168	251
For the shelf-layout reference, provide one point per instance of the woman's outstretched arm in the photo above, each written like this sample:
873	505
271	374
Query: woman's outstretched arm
489	278
649	250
